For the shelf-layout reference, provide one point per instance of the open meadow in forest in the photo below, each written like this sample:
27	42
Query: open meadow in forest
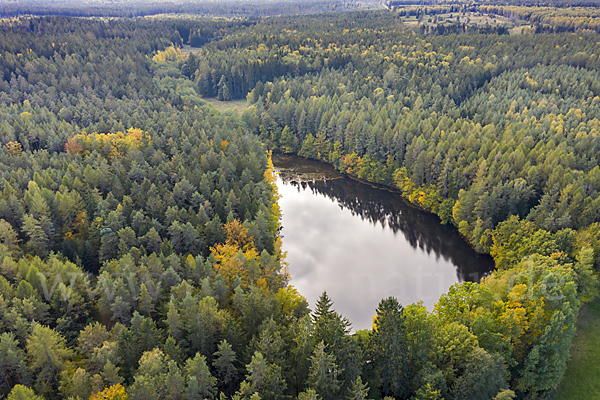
582	378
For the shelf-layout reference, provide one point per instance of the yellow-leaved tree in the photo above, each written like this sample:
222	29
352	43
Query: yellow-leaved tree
114	392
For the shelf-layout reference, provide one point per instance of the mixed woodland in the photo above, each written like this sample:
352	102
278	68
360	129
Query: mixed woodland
139	227
140	8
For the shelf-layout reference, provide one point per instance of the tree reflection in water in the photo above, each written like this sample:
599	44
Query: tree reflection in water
384	206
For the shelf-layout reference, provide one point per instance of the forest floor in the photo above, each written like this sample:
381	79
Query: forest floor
235	106
582	379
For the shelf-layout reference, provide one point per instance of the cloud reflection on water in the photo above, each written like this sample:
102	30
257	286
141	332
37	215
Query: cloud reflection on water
342	236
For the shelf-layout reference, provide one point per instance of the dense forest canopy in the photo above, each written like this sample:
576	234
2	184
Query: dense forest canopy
139	228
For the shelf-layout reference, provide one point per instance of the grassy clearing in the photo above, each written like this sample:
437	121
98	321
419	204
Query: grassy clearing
235	106
470	18
582	379
187	49
369	5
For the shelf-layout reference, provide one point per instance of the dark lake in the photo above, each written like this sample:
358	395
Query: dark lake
361	243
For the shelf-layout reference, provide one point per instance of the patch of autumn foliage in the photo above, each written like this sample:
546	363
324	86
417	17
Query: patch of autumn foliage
169	54
237	256
351	162
14	148
223	145
112	145
115	392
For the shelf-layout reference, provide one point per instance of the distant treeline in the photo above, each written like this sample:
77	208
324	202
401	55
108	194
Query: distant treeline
140	254
459	4
135	8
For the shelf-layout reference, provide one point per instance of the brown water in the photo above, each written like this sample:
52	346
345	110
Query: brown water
362	243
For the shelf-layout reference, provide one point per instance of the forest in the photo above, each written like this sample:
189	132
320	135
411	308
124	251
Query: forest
140	8
139	227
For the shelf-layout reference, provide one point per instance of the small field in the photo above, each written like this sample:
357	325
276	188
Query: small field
235	106
369	5
582	379
187	49
469	18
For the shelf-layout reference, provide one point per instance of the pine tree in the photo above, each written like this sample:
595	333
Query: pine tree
359	390
287	140
38	240
145	302
48	355
12	363
200	383
224	363
388	346
323	373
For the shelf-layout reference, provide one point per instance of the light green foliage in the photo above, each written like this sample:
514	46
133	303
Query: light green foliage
462	301
48	356
309	394
427	393
587	278
157	378
78	384
263	379
12	363
359	390
451	346
200	383
514	239
20	392
505	395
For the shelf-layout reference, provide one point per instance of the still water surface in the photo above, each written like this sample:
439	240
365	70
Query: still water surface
362	243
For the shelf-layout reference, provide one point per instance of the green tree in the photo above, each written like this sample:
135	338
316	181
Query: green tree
309	394
483	378
157	378
323	373
20	392
9	238
333	330
287	140
224	363
389	348
13	369
48	356
301	351
452	344
200	383
505	395
224	93
359	390
426	392
38	242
